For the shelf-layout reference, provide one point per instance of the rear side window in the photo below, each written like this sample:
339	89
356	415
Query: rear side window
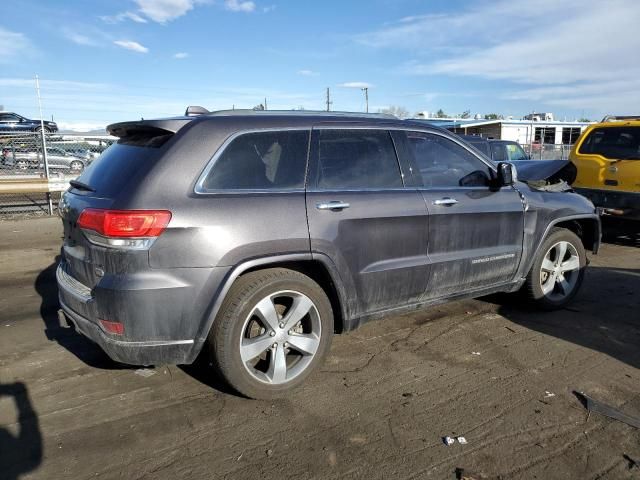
273	160
499	152
617	143
483	147
355	159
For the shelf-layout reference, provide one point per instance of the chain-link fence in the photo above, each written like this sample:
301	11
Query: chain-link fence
547	151
36	168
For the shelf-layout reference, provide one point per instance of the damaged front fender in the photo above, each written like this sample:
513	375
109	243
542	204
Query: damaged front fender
551	171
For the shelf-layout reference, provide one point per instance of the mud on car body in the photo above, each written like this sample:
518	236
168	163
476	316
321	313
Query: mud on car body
252	237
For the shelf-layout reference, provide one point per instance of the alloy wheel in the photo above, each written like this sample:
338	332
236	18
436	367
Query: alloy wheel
280	337
559	271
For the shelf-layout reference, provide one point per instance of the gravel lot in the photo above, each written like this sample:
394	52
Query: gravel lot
377	409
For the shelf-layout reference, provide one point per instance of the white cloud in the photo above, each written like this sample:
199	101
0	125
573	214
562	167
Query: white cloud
80	126
355	85
80	39
539	52
131	45
307	73
240	6
59	85
13	44
180	55
123	16
163	11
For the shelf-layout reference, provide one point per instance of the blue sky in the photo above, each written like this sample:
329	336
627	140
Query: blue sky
105	61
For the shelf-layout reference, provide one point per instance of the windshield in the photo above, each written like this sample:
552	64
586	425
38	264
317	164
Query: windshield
615	143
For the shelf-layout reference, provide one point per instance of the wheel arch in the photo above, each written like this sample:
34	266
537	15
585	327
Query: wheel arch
317	267
585	226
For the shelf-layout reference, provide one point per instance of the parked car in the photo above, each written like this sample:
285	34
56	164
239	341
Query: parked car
607	156
57	159
12	122
259	234
551	171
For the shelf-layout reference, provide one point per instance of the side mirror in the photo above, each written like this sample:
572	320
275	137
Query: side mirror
507	174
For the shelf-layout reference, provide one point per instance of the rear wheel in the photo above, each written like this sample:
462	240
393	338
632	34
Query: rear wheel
273	329
40	129
557	271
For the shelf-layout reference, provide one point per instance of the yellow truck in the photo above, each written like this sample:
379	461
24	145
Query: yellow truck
607	156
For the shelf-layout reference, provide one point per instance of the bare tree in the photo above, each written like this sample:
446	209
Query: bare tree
399	112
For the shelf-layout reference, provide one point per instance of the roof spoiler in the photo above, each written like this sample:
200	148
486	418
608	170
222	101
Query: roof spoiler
194	110
147	127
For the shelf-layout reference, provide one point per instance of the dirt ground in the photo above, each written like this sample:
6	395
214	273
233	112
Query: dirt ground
487	369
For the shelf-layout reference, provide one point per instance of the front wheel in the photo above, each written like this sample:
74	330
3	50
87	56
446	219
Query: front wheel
557	271
273	329
76	166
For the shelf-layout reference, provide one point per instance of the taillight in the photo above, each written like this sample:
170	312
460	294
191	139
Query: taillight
125	223
125	229
116	328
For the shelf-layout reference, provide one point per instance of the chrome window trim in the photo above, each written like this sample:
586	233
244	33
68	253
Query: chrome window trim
199	186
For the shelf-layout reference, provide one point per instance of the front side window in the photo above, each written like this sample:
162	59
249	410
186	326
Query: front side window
445	163
273	160
357	159
8	117
516	152
616	143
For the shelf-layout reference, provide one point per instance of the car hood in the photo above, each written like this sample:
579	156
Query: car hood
551	171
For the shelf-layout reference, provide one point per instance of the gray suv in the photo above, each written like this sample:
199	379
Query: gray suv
259	234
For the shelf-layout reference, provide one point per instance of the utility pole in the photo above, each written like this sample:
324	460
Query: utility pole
44	144
265	103
366	97
329	102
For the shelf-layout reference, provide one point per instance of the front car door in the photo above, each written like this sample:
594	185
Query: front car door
475	232
362	217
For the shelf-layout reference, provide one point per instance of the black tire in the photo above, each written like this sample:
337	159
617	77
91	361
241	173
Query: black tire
39	129
533	287
229	329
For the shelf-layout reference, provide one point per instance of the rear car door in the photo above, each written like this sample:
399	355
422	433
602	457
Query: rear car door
475	232
362	216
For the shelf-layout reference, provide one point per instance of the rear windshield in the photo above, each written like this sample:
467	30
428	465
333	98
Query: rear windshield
118	166
616	143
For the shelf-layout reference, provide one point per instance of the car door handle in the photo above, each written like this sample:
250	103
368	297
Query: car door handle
333	205
446	201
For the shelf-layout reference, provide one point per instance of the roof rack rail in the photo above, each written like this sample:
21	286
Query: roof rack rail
619	118
194	110
318	113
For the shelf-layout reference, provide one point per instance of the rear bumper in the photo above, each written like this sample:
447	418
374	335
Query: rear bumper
132	353
615	203
80	308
